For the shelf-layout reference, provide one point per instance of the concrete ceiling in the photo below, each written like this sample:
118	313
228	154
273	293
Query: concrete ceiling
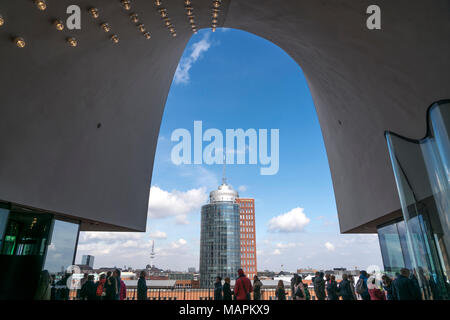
80	125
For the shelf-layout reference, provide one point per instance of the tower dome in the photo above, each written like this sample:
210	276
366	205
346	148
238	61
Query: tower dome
225	193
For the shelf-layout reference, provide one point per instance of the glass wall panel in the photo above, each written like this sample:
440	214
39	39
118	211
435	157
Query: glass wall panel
22	253
391	249
61	251
421	169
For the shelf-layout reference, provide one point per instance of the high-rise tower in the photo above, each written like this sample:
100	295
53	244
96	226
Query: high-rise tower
220	239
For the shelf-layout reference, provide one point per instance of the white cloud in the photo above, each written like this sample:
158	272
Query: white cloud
292	221
158	235
181	219
164	204
179	243
185	65
242	188
276	252
281	245
329	246
110	236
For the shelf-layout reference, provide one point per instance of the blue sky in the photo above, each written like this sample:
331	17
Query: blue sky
232	79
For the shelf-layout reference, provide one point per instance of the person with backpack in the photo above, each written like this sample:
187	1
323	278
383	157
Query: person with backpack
319	286
345	290
299	290
332	289
142	286
242	287
280	293
361	285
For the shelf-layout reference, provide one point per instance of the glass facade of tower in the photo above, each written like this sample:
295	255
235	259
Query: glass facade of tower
219	242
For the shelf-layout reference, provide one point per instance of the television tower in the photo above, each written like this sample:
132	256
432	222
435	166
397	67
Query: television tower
152	254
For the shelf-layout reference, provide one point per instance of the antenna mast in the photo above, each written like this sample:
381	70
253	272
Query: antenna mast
224	179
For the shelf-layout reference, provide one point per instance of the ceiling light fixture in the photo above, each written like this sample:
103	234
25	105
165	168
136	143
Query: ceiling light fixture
115	38
40	4
126	4
72	42
134	17
94	13
59	25
20	42
141	28
105	26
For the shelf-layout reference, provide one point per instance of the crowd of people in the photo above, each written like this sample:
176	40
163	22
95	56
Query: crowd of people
110	287
403	287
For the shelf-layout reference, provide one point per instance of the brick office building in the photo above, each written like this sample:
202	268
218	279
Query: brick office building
248	236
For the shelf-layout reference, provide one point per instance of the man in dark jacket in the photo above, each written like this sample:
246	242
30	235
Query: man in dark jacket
89	289
319	286
218	289
404	288
332	289
345	290
112	286
227	295
242	287
142	287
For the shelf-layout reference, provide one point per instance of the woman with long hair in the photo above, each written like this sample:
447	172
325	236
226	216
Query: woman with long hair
280	293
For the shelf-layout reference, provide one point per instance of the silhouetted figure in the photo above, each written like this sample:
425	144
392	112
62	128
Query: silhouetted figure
227	294
361	285
88	290
299	290
388	287
142	286
257	284
345	289
112	286
332	288
306	290
405	288
319	286
375	292
280	293
352	286
218	289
